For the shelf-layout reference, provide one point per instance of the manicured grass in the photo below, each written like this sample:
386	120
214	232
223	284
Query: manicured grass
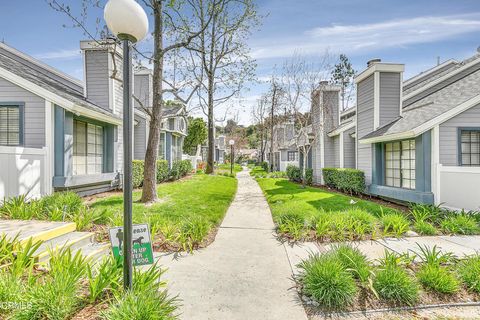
285	196
225	167
186	212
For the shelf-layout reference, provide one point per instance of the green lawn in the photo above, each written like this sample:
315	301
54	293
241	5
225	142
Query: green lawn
186	212
225	168
283	195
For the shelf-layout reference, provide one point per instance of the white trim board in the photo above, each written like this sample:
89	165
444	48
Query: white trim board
429	71
470	103
56	99
341	129
379	67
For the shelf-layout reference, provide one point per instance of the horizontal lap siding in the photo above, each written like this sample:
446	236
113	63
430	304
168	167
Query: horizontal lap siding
449	134
389	97
96	63
140	138
34	117
365	125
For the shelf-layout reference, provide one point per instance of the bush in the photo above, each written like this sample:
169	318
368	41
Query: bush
192	232
425	228
394	224
438	279
292	224
265	166
162	171
469	272
294	173
351	224
354	261
346	180
309	176
326	280
394	285
460	224
138	167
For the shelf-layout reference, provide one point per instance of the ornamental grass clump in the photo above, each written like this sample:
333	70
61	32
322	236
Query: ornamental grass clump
394	224
425	228
354	261
291	224
469	272
393	284
352	224
327	281
460	224
434	275
192	232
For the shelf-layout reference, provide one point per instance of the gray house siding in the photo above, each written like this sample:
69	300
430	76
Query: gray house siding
142	90
96	64
348	149
140	138
365	97
332	152
168	149
330	110
389	97
449	134
34	112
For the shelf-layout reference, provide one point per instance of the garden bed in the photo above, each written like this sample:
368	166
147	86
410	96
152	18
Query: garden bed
319	214
343	280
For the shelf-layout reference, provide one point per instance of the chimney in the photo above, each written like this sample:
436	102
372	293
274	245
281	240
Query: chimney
143	88
103	71
379	99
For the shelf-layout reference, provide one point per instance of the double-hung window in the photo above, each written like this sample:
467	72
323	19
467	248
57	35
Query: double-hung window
11	125
470	148
161	147
87	148
400	164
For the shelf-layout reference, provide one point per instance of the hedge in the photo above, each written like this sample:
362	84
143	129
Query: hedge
179	169
294	173
346	180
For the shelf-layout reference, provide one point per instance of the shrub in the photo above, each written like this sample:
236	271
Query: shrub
21	208
67	202
469	272
294	173
394	224
162	171
326	280
350	224
137	172
192	232
425	228
103	277
354	261
346	180
265	166
460	224
394	285
185	167
292	224
438	279
309	176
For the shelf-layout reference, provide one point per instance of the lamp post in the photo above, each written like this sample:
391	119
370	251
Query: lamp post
127	20
231	143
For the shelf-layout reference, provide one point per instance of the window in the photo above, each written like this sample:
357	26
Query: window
470	144
292	155
161	147
400	164
87	148
10	125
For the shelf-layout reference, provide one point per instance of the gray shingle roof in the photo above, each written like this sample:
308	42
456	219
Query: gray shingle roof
171	110
43	80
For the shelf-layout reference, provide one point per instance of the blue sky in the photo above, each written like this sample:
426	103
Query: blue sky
413	32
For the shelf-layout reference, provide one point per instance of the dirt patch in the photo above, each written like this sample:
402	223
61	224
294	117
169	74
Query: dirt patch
90	312
160	244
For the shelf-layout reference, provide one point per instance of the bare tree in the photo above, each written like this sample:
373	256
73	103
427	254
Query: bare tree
300	80
259	115
219	57
172	30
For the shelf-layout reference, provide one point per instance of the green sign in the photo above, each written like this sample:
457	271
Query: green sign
142	245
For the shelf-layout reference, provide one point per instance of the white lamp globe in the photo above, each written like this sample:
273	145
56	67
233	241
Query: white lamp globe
231	142
126	19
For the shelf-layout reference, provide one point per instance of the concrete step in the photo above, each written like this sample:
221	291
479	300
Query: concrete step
94	251
72	240
34	229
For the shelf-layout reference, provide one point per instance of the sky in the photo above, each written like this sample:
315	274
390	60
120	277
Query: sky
414	32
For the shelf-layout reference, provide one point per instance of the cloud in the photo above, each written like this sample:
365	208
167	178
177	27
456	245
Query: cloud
59	54
362	38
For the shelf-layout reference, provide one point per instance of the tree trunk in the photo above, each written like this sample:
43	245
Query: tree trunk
211	120
149	192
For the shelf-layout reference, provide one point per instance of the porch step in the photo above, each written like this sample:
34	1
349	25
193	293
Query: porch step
72	240
94	251
34	229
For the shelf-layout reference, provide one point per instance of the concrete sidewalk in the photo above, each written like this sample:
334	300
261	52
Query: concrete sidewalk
244	274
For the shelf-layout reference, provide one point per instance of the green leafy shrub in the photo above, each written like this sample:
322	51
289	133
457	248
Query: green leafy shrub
469	272
265	166
393	284
425	228
344	179
162	171
325	279
20	208
138	167
354	261
438	279
294	173
351	224
460	224
394	223
104	277
192	232
309	176
292	224
185	167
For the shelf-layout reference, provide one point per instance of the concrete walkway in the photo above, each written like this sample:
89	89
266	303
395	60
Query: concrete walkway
244	274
